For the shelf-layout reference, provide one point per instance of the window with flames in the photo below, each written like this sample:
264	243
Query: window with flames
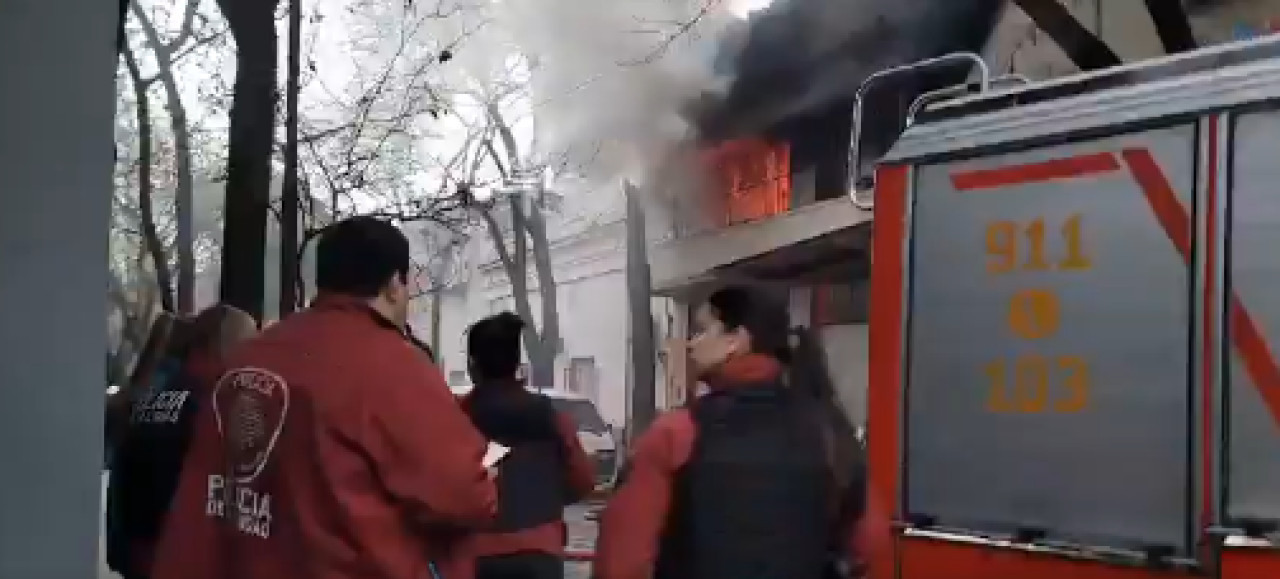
751	179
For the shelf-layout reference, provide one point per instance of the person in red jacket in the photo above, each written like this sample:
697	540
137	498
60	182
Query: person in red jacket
760	477
546	469
153	448
330	448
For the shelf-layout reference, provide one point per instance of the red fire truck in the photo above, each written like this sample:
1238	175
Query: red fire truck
1074	328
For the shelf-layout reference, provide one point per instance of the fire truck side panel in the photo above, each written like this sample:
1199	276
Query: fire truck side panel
1049	366
1075	300
884	433
1252	401
1250	563
926	558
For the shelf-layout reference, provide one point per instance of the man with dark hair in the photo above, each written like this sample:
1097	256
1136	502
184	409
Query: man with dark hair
546	470
331	448
493	347
367	258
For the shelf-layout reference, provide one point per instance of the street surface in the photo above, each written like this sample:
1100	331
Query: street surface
582	537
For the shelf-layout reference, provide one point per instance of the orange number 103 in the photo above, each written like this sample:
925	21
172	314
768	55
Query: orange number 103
1003	239
1032	384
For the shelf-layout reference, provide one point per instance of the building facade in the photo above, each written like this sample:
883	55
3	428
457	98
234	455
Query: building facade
802	232
779	216
588	251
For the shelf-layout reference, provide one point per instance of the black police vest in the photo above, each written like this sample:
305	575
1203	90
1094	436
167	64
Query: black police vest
532	487
147	466
755	500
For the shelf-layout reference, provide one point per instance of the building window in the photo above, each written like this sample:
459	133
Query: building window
580	377
753	178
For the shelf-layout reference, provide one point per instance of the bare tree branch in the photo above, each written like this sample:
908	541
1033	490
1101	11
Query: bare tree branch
151	239
682	28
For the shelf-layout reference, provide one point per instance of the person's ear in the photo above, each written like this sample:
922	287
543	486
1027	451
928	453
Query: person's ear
394	289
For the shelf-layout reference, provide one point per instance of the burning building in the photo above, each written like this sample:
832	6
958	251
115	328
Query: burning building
775	207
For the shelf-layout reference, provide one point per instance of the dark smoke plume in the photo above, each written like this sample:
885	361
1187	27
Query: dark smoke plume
802	55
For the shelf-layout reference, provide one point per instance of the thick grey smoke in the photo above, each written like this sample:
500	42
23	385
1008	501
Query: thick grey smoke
623	85
804	54
613	78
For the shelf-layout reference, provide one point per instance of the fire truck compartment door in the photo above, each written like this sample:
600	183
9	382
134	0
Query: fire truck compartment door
1048	374
1252	454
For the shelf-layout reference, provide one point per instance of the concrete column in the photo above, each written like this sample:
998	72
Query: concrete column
57	64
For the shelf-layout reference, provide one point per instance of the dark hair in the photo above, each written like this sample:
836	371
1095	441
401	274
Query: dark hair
358	256
769	324
765	318
808	369
493	345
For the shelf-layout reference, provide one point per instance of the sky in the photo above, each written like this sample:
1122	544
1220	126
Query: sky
743	8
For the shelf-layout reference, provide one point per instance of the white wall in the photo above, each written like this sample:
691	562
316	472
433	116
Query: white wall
847	357
593	317
589	257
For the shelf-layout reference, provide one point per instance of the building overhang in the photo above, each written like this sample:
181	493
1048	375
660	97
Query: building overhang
816	243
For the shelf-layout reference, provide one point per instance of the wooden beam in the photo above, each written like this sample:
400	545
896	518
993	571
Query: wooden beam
1172	25
1083	47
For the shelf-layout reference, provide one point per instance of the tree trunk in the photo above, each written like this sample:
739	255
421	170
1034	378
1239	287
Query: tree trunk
1172	25
150	237
121	40
436	301
248	195
1085	49
184	241
513	262
543	345
643	348
544	367
290	209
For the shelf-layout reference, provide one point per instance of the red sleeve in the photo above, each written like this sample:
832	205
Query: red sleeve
425	449
871	533
632	523
580	473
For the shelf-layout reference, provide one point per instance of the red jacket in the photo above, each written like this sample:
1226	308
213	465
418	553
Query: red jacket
329	449
549	537
631	526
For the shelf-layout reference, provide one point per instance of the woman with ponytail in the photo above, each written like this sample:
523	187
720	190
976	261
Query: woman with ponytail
759	477
155	433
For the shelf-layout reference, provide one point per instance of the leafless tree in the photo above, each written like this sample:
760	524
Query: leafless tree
526	237
194	32
151	238
361	151
290	209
